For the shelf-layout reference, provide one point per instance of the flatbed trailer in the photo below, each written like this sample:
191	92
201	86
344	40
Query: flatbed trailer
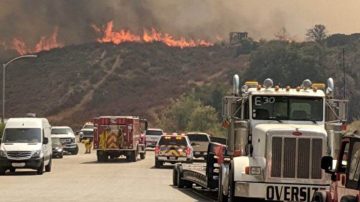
205	175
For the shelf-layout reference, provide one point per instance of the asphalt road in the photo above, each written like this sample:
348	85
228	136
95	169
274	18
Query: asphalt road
81	178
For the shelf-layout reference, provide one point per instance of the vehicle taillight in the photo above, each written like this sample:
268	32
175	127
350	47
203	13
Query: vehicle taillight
188	151
157	150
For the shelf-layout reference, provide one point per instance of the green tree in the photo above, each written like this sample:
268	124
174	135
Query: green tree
204	118
2	126
177	116
188	114
317	33
286	63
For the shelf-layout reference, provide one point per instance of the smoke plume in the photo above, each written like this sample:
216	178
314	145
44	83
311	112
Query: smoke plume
206	19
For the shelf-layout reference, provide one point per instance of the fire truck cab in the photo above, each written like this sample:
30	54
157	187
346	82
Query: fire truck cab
345	178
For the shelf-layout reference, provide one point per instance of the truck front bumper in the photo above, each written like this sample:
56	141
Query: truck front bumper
277	192
172	159
32	163
71	147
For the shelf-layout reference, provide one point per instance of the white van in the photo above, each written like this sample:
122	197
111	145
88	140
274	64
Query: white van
26	143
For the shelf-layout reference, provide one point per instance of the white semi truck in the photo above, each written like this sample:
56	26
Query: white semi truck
275	141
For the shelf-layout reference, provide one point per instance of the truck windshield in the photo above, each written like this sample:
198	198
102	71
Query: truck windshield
154	132
22	135
198	137
287	108
57	131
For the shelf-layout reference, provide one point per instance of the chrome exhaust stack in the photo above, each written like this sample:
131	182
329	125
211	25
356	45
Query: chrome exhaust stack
236	84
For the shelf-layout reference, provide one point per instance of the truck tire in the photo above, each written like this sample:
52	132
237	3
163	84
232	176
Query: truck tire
133	156
175	176
348	199
40	170
48	166
101	156
180	182
231	196
76	151
158	163
319	197
221	196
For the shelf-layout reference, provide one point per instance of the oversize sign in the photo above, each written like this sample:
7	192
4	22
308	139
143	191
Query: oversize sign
290	193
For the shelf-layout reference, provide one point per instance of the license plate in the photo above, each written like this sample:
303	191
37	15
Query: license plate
162	158
172	158
290	193
18	165
197	153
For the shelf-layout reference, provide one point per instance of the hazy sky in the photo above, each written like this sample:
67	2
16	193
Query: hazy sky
30	19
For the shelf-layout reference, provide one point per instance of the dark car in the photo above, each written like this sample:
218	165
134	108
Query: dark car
57	148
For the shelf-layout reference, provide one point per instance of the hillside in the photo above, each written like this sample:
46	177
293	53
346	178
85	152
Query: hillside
75	83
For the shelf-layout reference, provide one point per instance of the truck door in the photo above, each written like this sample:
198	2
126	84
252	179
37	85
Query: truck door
353	174
341	170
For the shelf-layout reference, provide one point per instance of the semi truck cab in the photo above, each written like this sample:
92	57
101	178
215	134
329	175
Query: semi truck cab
276	138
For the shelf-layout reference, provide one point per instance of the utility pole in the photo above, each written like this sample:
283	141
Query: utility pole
344	70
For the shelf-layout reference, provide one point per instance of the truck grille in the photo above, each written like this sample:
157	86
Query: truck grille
65	140
296	157
19	154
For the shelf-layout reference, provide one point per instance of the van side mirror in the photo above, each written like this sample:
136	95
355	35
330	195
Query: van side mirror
327	164
46	140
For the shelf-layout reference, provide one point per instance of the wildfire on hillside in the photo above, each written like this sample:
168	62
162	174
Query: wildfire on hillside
148	36
109	35
45	43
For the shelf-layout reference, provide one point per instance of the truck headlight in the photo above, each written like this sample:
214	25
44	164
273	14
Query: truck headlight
253	170
2	153
37	154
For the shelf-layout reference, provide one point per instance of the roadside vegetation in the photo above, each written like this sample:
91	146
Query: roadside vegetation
284	60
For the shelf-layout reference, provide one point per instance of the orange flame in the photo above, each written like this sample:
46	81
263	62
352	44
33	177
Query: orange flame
45	43
117	37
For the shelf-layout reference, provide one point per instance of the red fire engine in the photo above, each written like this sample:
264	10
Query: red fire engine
119	135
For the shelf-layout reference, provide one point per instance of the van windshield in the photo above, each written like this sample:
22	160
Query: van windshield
22	135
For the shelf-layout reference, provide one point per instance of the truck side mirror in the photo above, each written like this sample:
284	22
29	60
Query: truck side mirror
327	164
46	140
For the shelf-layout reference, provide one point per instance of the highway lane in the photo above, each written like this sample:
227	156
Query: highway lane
81	178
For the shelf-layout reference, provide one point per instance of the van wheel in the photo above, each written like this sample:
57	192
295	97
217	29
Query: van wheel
2	171
48	166
40	170
12	170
